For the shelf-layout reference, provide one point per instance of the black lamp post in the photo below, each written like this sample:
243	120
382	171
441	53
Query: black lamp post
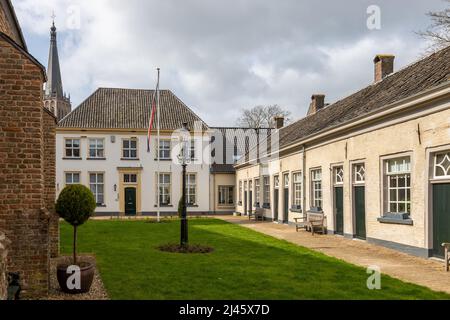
183	158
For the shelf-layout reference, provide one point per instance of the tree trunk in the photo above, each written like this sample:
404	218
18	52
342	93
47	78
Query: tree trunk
75	245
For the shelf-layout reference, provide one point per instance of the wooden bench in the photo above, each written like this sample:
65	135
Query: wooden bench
301	223
258	214
447	257
311	222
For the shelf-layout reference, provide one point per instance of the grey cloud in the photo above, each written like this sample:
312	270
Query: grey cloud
209	50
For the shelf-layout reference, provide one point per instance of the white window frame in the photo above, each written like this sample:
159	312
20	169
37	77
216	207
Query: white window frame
338	176
72	173
286	180
163	148
316	188
96	183
359	173
189	187
129	149
226	193
258	191
72	148
403	172
440	165
297	189
276	182
266	182
98	148
162	188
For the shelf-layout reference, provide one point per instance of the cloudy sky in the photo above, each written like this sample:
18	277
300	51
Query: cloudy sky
222	56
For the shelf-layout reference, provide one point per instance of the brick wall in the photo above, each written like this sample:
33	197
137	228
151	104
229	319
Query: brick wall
4	24
49	122
24	195
3	256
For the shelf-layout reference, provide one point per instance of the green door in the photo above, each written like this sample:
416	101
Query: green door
286	206
130	201
275	205
339	209
245	203
441	217
360	212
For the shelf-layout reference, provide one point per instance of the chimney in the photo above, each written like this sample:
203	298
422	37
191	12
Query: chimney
279	122
384	66
317	103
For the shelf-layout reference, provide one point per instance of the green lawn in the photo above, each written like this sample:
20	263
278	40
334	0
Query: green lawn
244	265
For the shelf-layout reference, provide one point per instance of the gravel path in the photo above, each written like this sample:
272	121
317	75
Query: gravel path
97	292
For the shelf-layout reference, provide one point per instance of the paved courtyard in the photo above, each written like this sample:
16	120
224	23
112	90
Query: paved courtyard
426	272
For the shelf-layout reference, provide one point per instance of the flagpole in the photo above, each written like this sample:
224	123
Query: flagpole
159	138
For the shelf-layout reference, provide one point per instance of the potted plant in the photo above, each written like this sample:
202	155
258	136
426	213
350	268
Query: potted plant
76	204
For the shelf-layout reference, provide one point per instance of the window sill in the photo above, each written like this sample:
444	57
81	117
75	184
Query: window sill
65	158
192	205
96	159
296	210
101	205
166	160
129	159
164	206
396	218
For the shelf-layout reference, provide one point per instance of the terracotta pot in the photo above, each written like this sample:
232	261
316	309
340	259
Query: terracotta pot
87	271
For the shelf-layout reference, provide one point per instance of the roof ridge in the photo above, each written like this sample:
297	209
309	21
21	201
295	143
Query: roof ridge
373	84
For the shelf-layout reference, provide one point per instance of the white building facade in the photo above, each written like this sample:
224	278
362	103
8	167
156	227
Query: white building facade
103	145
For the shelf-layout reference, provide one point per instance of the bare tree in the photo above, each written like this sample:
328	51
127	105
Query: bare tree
262	116
439	31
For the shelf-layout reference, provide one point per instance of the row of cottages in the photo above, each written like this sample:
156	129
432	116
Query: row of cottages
376	163
103	144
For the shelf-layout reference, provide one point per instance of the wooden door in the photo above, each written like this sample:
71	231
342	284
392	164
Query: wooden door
130	201
359	196
339	209
441	217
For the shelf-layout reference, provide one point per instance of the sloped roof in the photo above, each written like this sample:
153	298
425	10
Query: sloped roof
111	108
241	139
413	79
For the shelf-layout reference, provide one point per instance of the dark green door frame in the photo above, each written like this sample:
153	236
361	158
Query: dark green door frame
339	210
359	204
130	201
286	206
441	217
275	205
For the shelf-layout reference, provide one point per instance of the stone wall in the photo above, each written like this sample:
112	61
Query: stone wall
24	194
4	243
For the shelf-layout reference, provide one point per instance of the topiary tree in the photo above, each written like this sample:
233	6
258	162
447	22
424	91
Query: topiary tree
76	204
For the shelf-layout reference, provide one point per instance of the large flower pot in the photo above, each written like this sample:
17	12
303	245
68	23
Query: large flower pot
87	271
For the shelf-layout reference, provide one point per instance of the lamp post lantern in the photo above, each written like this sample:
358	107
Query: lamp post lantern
184	140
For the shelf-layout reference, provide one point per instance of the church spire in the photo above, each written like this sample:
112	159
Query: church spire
54	85
55	99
